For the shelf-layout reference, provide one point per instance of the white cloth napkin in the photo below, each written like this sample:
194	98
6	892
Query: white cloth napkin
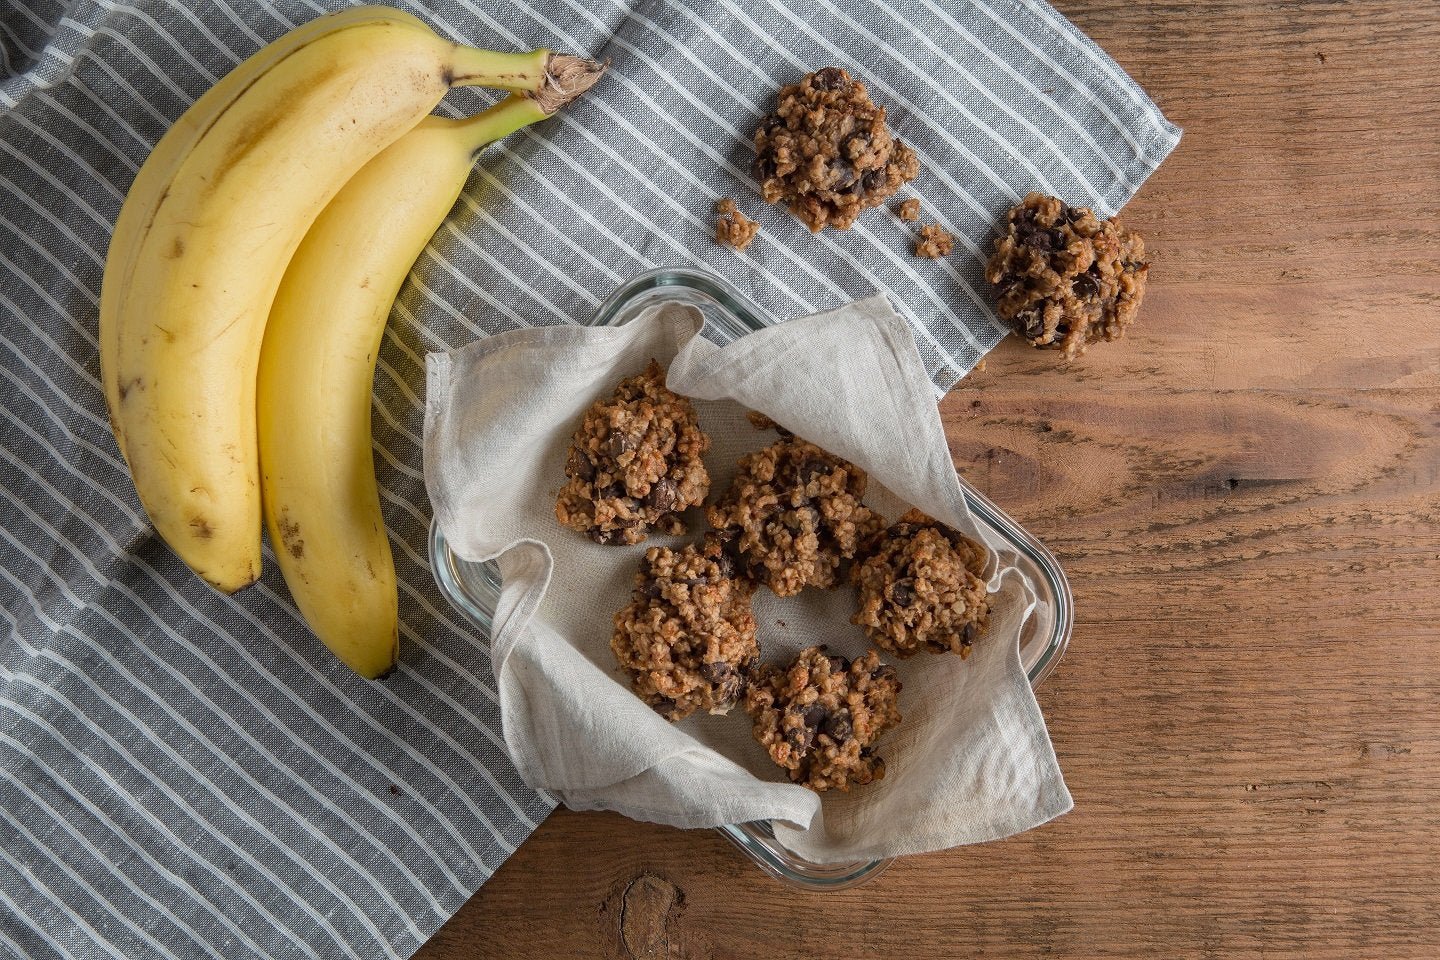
971	760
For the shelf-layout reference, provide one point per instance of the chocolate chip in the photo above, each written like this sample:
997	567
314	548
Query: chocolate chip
801	737
839	665
902	592
814	715
612	491
1036	238
1031	322
971	631
837	725
619	442
728	544
727	679
729	689
842	174
602	536
1085	286
651	590
883	673
579	465
873	180
811	469
830	78
665	707
763	168
664	495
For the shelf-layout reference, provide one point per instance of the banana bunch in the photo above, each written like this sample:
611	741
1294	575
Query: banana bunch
248	283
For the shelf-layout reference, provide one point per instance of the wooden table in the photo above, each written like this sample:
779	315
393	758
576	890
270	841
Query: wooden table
1244	493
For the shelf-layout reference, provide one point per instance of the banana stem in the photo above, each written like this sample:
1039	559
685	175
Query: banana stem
496	123
517	72
554	79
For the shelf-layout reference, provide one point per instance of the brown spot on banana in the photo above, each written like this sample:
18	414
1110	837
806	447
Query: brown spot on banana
252	134
290	537
201	529
177	249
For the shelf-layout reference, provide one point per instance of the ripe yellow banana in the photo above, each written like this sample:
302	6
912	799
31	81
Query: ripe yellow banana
176	145
207	235
317	364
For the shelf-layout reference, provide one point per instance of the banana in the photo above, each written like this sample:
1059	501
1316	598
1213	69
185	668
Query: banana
207	235
177	143
317	364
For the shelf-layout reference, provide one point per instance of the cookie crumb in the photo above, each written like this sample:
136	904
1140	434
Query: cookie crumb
732	227
933	242
1064	278
827	153
909	211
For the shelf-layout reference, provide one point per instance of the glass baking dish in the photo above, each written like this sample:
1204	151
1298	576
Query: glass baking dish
474	588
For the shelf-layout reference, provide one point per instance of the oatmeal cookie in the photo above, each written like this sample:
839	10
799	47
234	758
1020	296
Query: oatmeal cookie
827	153
732	227
909	210
920	588
934	242
635	463
687	639
819	717
1065	279
793	515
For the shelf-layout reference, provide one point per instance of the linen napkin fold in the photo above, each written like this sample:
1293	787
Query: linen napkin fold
971	761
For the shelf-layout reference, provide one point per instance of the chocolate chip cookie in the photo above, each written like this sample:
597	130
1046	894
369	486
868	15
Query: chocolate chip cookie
827	153
793	514
1065	279
687	637
920	588
819	717
635	463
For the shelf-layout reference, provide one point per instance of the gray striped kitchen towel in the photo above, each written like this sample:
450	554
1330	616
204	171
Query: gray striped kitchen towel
189	775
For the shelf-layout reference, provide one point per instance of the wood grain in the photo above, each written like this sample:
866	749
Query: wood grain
1246	495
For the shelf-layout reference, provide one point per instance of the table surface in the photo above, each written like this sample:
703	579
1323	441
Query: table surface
1244	494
